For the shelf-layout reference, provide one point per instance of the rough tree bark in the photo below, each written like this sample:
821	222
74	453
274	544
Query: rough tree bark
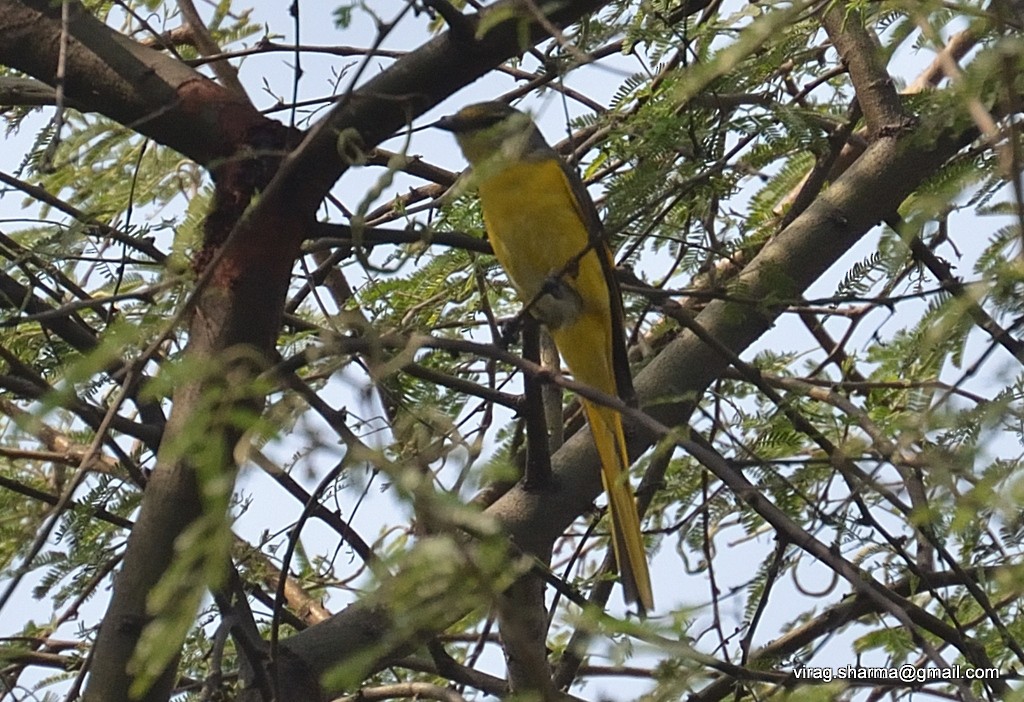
250	259
241	302
890	169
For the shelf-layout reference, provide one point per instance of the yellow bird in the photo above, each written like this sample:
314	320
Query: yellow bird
546	234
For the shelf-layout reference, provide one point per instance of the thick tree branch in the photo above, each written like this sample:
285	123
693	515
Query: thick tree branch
522	620
862	54
890	169
204	41
28	92
139	87
248	252
412	85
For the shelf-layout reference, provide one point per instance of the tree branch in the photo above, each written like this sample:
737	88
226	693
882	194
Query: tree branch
862	54
890	169
135	85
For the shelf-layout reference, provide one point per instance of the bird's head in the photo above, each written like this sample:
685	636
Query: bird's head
489	130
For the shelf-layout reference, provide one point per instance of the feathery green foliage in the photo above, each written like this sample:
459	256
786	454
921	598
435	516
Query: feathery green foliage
370	454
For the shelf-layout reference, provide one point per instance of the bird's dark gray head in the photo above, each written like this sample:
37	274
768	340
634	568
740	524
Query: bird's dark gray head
476	117
489	131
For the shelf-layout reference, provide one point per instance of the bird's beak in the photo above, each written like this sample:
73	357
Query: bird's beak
449	123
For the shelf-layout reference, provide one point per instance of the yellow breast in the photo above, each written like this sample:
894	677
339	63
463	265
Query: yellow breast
536	231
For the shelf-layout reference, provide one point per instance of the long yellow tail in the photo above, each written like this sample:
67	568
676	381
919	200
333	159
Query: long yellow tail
606	426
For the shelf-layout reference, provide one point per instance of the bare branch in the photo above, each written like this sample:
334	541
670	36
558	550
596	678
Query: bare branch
204	41
862	53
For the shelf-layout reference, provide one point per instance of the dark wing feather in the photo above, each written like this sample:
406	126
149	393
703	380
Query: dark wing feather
588	213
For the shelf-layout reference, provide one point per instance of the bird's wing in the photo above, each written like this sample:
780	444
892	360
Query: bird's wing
588	213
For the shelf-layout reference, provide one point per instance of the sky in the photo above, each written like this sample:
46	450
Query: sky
271	75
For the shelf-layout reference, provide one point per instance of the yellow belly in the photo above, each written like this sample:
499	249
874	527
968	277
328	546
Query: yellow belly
536	232
538	236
